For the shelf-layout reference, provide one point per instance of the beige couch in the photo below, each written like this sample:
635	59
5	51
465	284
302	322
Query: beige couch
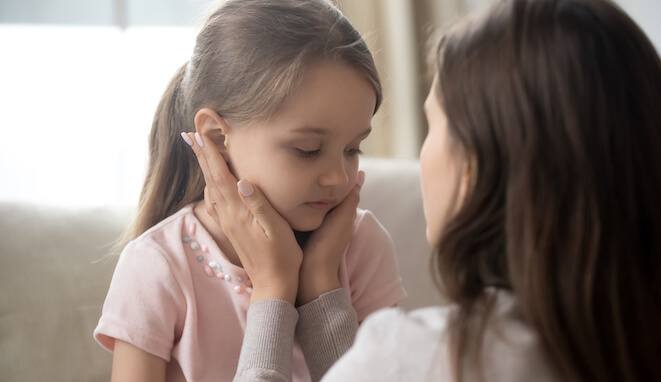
54	274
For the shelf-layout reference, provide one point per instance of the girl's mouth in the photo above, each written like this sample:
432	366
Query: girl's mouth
321	204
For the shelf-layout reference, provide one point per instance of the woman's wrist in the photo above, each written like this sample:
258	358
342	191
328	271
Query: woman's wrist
315	282
283	290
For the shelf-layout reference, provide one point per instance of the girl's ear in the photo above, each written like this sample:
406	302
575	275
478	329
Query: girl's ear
213	128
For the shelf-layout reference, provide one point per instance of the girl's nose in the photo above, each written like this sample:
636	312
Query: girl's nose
335	175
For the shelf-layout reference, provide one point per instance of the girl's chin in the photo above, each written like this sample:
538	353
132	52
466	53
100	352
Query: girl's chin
306	223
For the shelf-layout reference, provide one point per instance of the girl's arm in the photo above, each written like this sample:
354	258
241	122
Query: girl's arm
130	363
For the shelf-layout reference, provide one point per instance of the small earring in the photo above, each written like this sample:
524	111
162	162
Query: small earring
226	142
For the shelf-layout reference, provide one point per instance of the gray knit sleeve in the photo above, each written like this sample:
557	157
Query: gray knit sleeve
326	329
268	342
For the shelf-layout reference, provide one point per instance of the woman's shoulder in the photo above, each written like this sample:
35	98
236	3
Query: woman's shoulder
422	327
393	344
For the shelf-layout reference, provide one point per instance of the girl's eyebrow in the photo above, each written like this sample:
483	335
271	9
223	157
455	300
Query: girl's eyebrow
321	131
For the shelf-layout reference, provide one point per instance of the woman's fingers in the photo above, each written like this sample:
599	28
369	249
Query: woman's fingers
251	204
201	160
209	204
215	168
350	202
259	206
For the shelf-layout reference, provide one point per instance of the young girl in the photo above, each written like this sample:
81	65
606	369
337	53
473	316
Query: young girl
287	88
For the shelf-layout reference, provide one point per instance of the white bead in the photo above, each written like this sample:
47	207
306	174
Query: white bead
208	271
215	265
238	289
187	239
239	279
228	278
194	246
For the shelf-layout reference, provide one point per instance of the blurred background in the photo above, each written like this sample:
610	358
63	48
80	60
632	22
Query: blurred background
80	79
79	83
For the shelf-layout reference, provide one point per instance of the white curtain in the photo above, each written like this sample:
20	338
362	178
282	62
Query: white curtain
397	32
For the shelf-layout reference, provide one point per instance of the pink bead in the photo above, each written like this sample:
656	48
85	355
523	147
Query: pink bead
239	289
220	275
208	271
204	248
191	229
249	290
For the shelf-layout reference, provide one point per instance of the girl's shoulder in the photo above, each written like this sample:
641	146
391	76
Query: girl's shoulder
365	218
367	230
165	241
371	271
168	234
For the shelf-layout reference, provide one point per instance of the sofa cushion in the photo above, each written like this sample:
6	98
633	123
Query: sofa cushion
54	274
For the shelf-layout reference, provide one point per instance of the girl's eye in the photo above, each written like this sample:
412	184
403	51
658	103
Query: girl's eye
354	152
307	153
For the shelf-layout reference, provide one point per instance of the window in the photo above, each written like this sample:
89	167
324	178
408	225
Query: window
79	87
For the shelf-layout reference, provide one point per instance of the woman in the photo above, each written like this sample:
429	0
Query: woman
541	180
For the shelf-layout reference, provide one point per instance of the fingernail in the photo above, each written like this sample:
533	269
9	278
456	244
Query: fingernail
361	178
199	140
245	188
187	139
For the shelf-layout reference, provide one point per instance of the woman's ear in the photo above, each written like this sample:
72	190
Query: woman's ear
213	128
467	180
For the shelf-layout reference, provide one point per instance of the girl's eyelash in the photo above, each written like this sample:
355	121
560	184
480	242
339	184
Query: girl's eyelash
314	153
307	153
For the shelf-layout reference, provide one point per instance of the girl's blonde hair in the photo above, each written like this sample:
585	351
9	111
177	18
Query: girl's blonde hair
248	58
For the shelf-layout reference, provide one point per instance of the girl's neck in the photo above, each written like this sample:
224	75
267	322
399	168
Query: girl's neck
216	232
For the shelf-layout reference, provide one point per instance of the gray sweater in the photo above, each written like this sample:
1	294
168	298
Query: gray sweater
325	329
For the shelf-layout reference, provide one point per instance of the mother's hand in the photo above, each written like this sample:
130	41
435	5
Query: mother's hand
323	251
263	240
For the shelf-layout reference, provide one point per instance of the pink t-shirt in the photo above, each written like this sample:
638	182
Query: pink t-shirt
175	295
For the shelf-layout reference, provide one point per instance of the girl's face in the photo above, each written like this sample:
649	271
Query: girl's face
442	177
305	158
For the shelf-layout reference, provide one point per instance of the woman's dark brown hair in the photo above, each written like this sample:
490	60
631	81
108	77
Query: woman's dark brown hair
558	105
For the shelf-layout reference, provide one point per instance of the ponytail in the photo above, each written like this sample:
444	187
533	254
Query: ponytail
173	177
